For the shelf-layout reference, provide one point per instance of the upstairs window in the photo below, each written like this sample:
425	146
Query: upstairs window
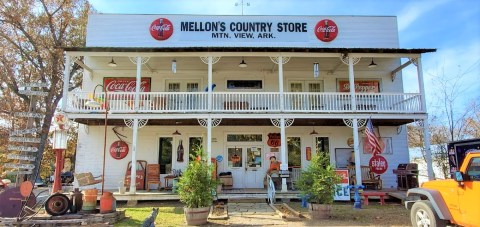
244	84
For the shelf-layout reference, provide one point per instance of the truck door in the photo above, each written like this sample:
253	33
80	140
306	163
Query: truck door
469	195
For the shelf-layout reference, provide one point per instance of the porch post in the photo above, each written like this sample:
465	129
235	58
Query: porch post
138	81
280	84
426	131
353	101
209	87
66	80
283	152
133	174
209	139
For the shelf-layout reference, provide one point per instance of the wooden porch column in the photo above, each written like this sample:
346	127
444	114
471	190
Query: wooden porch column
283	151
426	132
133	174
353	101
66	79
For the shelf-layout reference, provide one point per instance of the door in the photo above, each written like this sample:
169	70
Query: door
182	101
306	101
246	165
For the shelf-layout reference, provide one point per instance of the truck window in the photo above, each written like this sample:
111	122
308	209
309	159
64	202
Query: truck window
473	169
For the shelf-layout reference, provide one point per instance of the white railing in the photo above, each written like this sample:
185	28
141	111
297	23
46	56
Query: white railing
247	102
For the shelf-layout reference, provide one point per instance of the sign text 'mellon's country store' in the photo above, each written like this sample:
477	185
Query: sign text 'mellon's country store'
242	29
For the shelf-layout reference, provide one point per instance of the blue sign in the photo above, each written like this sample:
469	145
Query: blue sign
219	158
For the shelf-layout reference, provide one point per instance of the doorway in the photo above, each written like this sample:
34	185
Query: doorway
246	163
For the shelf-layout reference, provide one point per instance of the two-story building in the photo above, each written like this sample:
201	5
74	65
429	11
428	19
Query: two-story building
284	86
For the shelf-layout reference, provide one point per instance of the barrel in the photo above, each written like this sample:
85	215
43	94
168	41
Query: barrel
107	203
89	199
196	216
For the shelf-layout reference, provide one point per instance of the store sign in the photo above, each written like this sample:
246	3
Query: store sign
326	30
119	149
364	86
342	192
126	84
378	164
274	140
161	29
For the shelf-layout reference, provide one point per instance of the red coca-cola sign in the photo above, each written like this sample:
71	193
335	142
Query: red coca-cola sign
161	29
378	164
126	84
326	30
119	150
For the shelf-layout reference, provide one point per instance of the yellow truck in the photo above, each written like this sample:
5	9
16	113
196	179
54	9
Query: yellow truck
448	202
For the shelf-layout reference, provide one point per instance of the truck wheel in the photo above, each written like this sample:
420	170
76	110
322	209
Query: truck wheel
423	214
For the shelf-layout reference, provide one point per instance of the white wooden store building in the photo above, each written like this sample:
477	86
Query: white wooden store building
327	74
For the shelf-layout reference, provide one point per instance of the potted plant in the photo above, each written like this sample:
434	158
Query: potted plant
195	189
317	184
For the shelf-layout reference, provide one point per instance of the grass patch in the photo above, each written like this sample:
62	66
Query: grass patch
167	216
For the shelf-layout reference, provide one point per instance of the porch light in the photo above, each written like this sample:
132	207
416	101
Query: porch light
174	66
176	133
316	71
242	64
112	63
313	129
372	64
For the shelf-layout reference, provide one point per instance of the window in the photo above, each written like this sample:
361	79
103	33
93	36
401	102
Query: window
195	143
254	155
244	138
165	155
294	152
473	170
235	157
322	145
244	84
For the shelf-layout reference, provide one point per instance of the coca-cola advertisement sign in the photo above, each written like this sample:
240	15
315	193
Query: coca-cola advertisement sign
119	149
326	30
126	84
161	29
361	86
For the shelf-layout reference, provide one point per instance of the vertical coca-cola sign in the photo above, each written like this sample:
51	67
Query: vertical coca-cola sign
161	29
326	30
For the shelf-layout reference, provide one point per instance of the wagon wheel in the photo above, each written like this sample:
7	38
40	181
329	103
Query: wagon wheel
57	204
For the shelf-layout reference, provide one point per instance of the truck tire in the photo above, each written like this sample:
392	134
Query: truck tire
423	214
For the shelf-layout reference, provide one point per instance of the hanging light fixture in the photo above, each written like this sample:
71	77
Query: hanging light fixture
176	133
112	63
174	66
316	71
242	64
372	64
313	129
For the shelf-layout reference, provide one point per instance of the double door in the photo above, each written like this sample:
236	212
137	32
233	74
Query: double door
183	100
247	166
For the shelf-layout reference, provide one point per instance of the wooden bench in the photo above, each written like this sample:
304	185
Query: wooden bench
366	194
369	178
85	179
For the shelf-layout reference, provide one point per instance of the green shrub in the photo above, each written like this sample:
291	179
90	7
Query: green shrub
319	180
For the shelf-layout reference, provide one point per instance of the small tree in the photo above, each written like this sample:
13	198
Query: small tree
319	180
196	185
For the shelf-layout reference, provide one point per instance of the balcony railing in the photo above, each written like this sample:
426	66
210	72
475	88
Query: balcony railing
247	102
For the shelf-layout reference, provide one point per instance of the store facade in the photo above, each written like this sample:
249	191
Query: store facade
244	88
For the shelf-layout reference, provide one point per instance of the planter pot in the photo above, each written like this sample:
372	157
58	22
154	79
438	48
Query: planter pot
196	216
320	211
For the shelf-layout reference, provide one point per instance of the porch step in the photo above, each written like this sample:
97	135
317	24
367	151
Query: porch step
246	200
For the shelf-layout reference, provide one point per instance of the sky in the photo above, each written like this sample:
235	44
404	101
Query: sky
450	26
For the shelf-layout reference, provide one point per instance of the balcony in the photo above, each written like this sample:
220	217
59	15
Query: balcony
247	102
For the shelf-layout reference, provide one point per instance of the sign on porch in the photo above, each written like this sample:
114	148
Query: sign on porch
274	140
119	149
126	84
342	192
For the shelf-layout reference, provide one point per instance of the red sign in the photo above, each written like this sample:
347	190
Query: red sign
274	140
161	29
343	173
378	164
326	30
367	147
126	84
365	86
119	150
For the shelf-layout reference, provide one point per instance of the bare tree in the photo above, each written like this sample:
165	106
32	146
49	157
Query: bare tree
32	33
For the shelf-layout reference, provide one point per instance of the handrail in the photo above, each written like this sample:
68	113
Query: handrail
270	190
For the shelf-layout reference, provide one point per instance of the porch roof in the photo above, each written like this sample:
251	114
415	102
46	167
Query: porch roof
250	49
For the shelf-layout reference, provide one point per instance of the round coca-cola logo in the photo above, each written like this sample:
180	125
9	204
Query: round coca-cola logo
326	30
119	149
161	29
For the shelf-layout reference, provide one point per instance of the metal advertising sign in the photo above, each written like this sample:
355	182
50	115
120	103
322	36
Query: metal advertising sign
21	157
342	192
28	92
19	172
22	148
28	114
25	131
33	85
19	166
24	139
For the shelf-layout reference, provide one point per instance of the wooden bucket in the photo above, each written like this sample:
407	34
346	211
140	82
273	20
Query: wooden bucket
89	199
196	216
320	211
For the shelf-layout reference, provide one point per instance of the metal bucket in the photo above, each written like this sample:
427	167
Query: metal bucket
89	199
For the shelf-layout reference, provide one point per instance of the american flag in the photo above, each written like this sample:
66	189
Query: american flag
372	139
